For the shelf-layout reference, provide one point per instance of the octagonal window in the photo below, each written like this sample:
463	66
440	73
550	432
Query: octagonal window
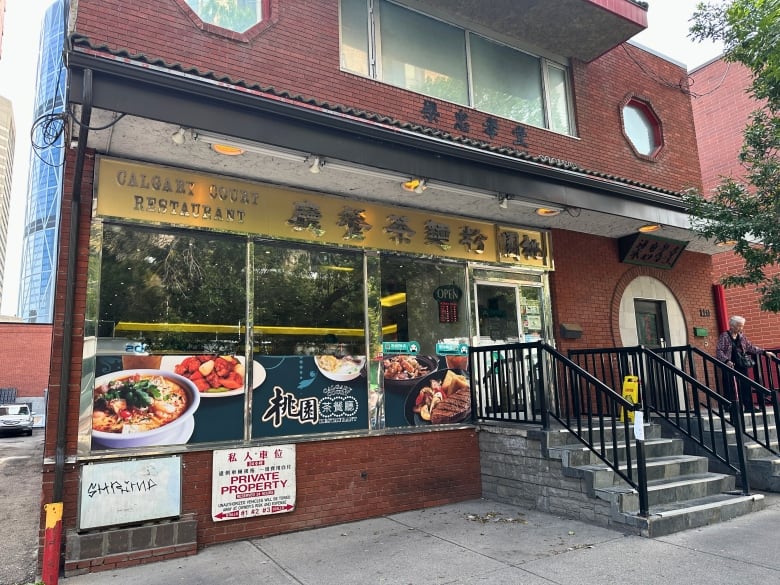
235	15
642	127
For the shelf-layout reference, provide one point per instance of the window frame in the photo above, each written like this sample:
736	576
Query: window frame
644	106
373	12
269	10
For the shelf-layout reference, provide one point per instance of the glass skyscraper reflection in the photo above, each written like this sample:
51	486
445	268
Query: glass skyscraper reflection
42	216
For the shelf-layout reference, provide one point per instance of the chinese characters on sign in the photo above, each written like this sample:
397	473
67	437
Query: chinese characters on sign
648	250
285	405
307	216
354	223
255	481
490	127
515	246
275	212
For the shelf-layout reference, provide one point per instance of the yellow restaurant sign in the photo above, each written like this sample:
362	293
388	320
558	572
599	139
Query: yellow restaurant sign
157	194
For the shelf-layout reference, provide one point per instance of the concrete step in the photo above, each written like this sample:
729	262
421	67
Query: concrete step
695	513
665	467
688	487
578	455
562	437
682	492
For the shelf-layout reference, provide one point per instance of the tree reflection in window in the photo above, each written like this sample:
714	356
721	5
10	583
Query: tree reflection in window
308	288
163	277
237	15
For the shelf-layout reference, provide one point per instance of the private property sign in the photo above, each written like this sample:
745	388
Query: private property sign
255	481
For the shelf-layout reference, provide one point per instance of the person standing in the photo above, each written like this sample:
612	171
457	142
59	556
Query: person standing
734	349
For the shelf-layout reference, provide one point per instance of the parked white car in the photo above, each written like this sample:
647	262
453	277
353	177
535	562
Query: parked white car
16	417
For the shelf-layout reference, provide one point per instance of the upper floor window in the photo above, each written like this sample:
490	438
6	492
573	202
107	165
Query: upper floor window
236	15
402	47
642	127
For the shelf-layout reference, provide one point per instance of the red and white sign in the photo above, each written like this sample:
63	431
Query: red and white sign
256	481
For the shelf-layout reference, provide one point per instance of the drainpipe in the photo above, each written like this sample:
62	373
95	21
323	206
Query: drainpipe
70	286
721	309
53	535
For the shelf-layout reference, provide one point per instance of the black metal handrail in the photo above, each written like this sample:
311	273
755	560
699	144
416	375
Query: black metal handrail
531	382
676	396
724	380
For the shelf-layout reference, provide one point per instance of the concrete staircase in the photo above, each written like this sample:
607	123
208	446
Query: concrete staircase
763	465
682	492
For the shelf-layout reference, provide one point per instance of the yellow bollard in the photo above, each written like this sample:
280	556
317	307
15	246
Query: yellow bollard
50	571
630	393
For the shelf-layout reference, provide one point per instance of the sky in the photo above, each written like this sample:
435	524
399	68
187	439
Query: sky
667	34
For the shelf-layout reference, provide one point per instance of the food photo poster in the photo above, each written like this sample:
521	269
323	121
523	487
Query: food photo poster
158	400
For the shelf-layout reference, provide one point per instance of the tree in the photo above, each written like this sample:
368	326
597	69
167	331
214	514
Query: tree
746	209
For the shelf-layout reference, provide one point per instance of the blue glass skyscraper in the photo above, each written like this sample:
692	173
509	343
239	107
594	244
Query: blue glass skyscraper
42	216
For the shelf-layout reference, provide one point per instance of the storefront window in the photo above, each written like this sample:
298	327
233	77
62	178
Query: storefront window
170	348
410	310
175	292
424	309
309	341
308	301
278	329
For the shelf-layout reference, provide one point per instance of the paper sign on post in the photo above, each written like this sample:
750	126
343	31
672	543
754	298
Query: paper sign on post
639	425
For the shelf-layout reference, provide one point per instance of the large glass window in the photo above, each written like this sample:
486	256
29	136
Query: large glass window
507	83
410	308
423	306
176	292
309	338
169	352
354	36
426	55
423	55
308	301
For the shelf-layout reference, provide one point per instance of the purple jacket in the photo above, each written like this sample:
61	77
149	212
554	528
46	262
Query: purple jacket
724	347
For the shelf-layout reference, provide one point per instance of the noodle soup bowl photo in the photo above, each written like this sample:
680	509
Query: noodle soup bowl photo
143	408
340	369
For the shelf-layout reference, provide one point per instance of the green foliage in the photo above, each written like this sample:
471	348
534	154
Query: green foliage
746	209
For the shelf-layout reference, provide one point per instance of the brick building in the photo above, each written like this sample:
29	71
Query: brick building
337	196
27	369
721	110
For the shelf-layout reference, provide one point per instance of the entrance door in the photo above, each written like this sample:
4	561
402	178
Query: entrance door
651	323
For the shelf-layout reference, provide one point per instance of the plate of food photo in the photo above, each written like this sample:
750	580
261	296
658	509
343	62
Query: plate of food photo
141	408
443	397
404	371
215	376
340	368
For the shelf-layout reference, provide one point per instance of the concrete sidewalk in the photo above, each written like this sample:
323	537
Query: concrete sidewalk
478	542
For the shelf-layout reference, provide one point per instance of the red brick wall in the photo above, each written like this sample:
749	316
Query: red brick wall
721	109
25	350
299	53
337	481
589	281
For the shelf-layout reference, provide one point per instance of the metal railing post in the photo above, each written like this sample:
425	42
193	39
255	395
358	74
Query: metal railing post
541	387
641	470
736	417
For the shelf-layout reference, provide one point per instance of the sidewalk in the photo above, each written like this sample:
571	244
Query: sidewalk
477	542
